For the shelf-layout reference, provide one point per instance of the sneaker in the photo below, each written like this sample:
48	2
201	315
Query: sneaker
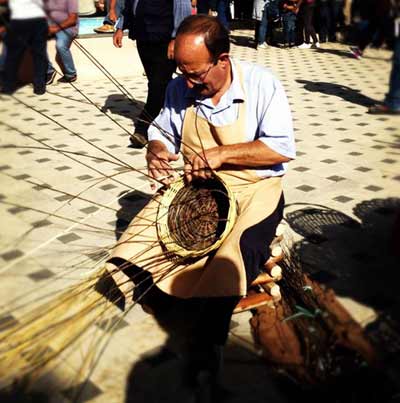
105	29
66	79
263	46
137	140
304	46
50	77
356	52
316	45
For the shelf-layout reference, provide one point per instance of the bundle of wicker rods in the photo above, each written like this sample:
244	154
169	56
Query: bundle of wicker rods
41	336
192	220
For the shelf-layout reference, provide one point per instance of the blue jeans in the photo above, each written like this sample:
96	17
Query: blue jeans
289	27
223	12
119	6
64	39
262	30
392	99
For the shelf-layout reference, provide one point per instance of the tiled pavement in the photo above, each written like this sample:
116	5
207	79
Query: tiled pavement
73	141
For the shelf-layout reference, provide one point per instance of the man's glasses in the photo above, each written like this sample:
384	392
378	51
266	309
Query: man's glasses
198	78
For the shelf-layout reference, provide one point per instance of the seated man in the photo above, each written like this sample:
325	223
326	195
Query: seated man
63	25
113	13
231	118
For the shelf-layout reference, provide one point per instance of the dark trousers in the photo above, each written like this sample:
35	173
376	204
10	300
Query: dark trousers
23	34
305	22
325	22
159	70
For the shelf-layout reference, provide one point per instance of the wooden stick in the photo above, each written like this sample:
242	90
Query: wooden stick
252	301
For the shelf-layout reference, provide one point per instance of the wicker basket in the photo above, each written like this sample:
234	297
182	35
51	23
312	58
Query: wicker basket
194	219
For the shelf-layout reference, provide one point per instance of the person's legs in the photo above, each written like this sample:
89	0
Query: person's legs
325	22
38	42
391	105
286	28
222	11
392	99
202	7
292	28
63	44
16	41
308	24
159	70
262	30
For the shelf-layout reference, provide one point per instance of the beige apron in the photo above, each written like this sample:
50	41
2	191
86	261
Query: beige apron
223	274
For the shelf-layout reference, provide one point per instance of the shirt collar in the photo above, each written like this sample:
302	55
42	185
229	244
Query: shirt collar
234	93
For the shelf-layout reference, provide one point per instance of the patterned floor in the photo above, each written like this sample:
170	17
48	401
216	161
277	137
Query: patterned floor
73	142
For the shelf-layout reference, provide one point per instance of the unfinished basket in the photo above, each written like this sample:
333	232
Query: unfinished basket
194	219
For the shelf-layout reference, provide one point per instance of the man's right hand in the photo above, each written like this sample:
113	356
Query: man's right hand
117	38
158	159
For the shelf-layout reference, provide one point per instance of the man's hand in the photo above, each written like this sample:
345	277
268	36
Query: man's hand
170	52
112	15
53	29
158	159
117	38
201	166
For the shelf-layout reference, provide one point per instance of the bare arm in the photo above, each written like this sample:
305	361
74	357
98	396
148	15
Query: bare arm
111	12
70	21
253	154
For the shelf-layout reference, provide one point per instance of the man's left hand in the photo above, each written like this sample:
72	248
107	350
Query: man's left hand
201	166
53	29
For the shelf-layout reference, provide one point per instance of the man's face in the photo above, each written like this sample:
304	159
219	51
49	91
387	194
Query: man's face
197	66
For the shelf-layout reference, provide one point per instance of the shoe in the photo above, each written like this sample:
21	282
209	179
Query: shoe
137	140
50	77
382	109
356	52
66	79
39	90
105	29
304	46
263	46
316	45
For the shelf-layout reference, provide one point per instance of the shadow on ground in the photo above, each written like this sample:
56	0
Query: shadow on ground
348	94
120	104
359	259
131	203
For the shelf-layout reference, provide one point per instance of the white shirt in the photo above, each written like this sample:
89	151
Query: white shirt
25	9
268	116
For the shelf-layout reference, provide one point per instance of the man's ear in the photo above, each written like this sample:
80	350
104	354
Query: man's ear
223	58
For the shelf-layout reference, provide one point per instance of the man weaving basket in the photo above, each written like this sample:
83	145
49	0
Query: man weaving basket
230	118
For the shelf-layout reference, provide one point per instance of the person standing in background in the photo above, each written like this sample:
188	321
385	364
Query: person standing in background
28	29
153	24
63	25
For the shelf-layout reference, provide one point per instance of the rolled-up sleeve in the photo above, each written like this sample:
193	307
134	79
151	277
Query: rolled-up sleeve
276	128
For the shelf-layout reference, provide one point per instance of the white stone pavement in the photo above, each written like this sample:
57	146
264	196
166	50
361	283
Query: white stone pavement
347	169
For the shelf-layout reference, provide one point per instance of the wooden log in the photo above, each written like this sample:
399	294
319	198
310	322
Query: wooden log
273	290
